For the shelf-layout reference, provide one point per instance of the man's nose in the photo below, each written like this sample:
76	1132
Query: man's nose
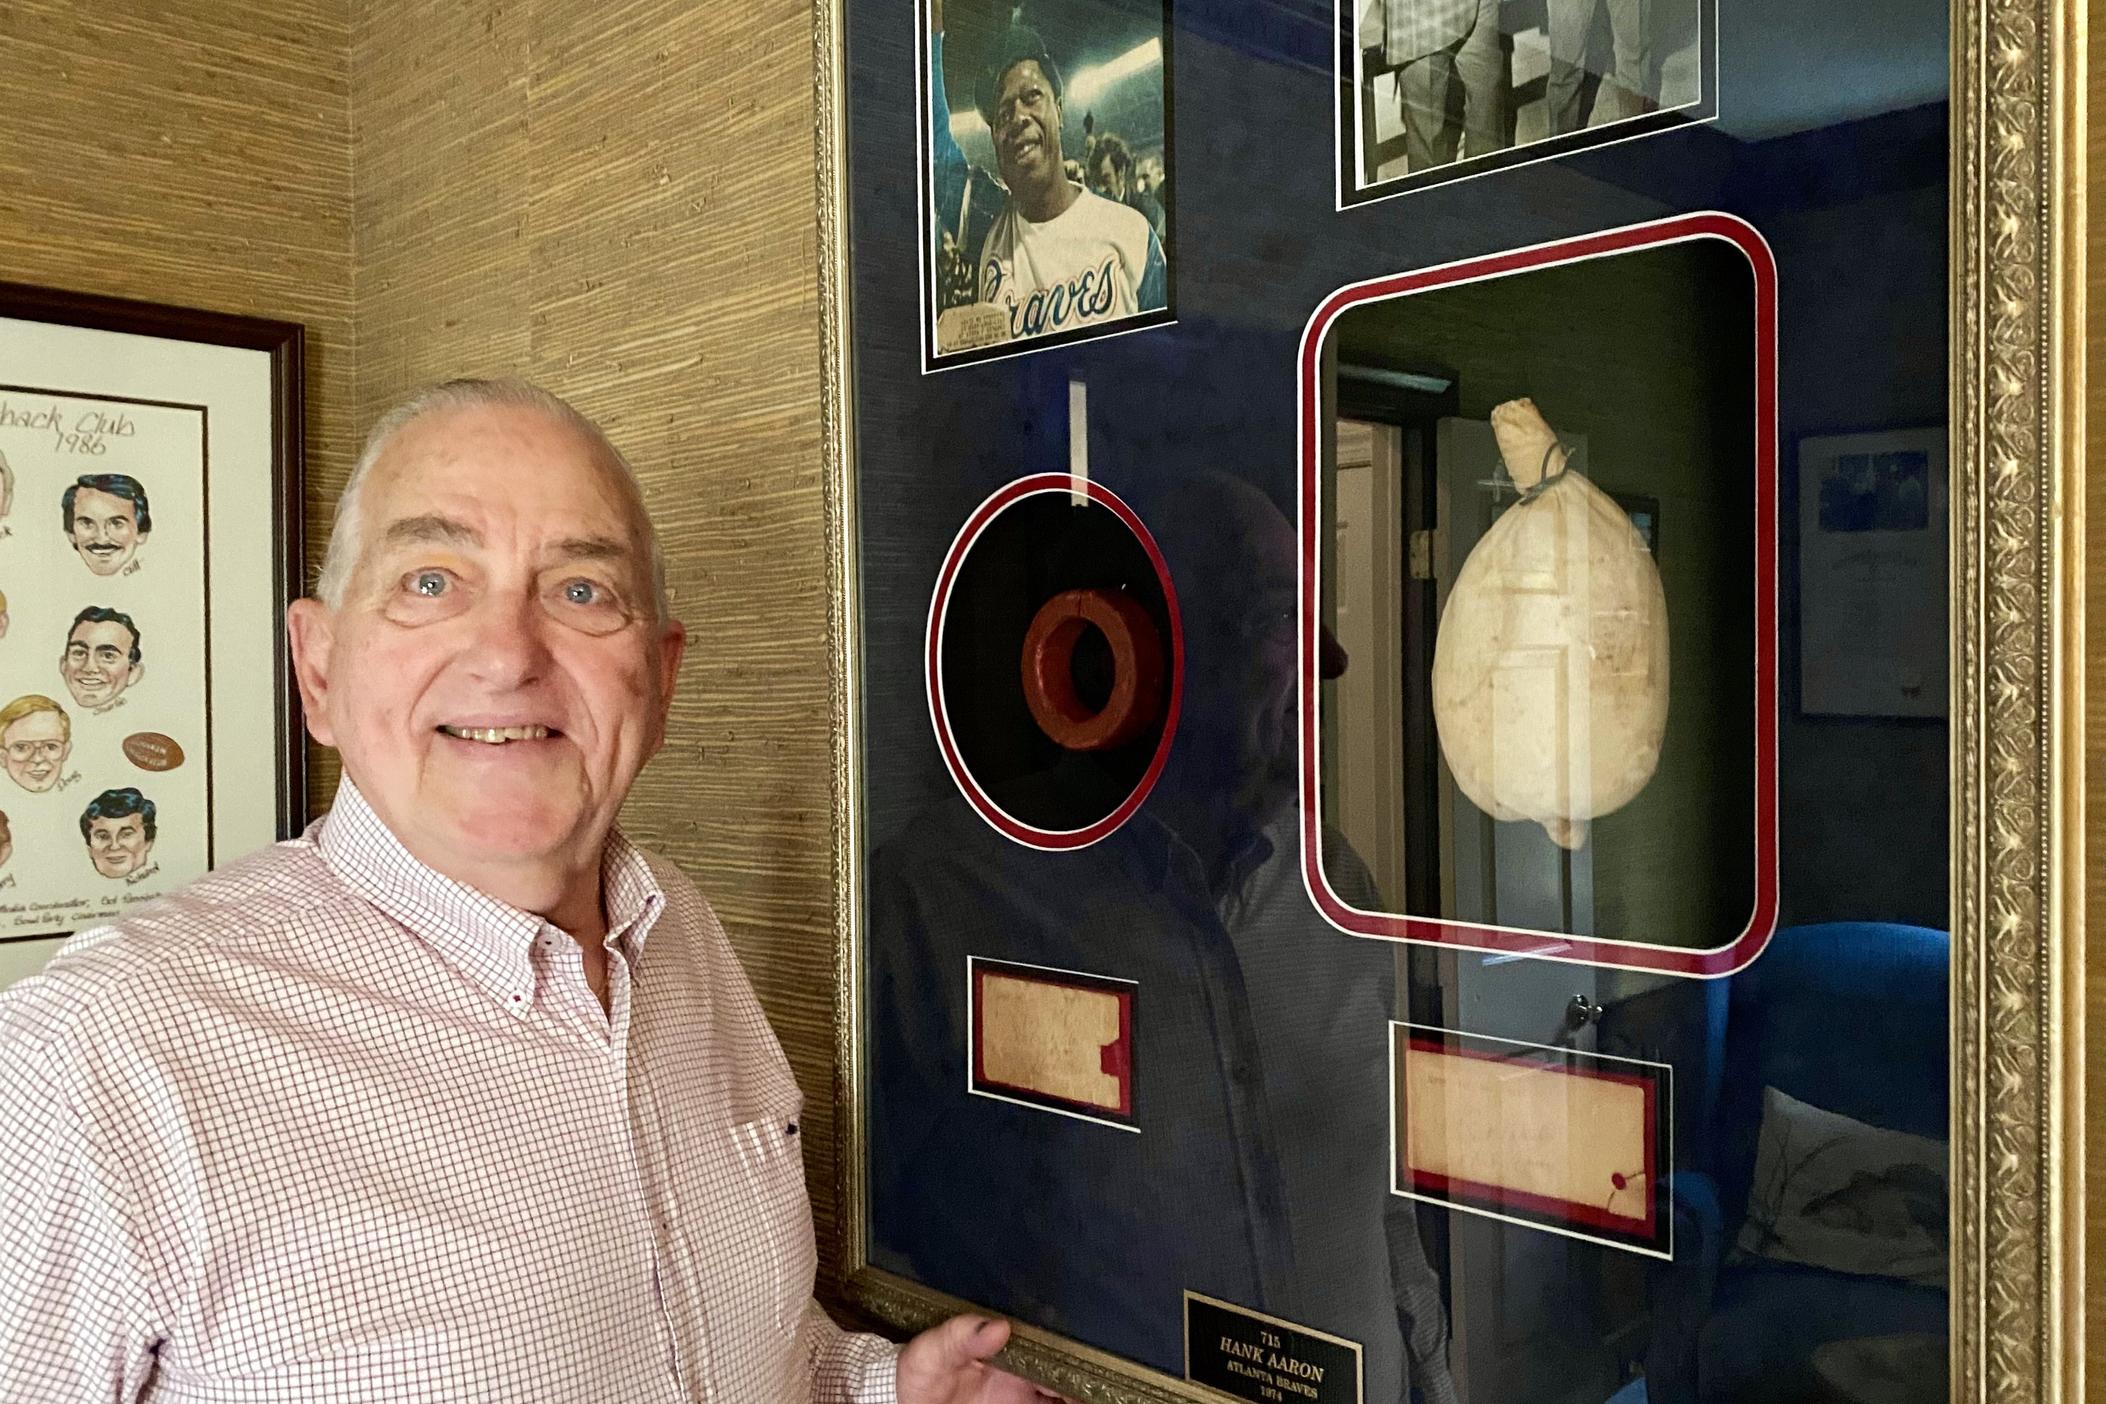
510	646
1331	657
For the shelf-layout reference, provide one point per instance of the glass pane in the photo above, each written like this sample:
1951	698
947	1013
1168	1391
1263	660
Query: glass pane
1414	814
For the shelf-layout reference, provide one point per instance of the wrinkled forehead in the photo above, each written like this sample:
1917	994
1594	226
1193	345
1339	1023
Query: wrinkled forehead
539	474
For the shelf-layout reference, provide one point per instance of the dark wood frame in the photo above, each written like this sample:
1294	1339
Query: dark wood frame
285	342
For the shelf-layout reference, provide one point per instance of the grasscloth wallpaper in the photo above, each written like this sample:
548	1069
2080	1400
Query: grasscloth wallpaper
194	152
615	198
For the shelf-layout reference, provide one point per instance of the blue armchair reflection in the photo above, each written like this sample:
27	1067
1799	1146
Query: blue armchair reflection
1811	1213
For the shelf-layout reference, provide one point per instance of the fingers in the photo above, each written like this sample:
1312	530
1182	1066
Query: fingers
965	1340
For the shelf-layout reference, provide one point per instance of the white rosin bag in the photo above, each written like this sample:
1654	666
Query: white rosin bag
1550	664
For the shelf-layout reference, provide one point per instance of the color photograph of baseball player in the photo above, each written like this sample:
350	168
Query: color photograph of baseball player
1046	204
1433	90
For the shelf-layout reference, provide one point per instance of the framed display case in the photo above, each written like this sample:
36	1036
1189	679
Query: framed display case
1329	908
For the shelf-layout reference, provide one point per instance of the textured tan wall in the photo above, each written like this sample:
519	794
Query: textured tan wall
194	152
615	198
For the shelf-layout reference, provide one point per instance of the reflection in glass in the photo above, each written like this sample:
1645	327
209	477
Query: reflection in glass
1807	1094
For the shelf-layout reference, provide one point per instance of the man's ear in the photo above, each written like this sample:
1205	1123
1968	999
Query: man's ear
311	628
672	647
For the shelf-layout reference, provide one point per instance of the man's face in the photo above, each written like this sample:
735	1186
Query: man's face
1238	728
105	530
97	664
34	749
496	675
1026	126
118	846
1110	180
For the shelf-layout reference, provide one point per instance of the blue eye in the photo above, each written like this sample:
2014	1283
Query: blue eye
581	592
429	583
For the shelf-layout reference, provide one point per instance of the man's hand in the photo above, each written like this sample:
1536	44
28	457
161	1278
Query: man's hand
947	1364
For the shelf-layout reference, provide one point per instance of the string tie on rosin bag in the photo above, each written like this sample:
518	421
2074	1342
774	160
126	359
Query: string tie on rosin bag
1550	678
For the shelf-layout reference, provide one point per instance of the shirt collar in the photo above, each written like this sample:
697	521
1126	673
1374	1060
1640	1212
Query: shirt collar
1154	852
489	941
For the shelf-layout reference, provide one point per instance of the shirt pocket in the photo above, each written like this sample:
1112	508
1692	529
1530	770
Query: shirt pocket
771	1153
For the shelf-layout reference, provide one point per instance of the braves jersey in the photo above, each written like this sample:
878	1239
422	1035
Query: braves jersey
1097	261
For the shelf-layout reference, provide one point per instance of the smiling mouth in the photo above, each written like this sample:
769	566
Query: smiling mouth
498	735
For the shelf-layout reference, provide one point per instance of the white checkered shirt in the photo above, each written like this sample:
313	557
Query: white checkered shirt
329	1126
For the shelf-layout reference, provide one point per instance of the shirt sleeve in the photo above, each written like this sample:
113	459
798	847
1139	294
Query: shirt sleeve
946	158
77	1320
1154	293
849	1367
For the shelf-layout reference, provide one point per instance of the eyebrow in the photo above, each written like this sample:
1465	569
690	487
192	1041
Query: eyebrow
593	548
430	527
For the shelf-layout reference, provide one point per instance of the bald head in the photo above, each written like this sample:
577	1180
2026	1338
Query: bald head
412	425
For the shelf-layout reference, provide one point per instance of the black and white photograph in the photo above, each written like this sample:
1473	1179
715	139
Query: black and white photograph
1434	90
1046	201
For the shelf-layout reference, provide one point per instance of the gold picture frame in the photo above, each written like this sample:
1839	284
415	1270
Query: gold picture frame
2017	286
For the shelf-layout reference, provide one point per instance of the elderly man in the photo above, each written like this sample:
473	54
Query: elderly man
460	1095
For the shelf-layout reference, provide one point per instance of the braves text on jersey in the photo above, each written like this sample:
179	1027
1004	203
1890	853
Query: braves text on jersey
1097	261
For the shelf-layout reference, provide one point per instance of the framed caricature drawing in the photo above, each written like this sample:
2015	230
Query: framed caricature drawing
1335	904
149	542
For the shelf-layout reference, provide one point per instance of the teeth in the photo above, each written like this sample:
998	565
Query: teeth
497	735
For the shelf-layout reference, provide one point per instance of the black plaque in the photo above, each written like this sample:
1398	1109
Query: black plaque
1264	1359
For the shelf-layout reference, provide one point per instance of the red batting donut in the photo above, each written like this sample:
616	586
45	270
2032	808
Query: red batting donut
1136	699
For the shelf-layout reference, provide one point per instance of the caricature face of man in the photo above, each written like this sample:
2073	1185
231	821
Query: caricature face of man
97	664
34	749
105	530
118	846
1027	126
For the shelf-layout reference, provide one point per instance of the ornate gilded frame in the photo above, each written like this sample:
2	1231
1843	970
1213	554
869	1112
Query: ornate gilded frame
2017	389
